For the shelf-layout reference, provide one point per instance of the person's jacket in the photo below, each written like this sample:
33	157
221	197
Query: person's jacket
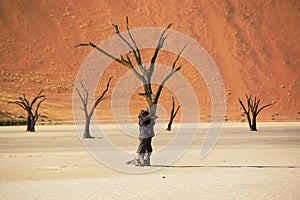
146	124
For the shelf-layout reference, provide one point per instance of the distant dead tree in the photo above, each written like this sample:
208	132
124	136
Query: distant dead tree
252	110
172	114
32	114
145	74
84	97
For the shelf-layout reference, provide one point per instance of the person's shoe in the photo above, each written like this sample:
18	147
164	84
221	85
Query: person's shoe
147	162
139	163
147	159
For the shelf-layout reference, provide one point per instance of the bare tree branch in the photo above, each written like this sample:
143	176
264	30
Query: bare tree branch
24	100
177	58
124	62
78	92
138	56
134	51
36	115
160	87
263	107
171	73
242	104
177	110
158	47
21	104
85	93
100	98
39	96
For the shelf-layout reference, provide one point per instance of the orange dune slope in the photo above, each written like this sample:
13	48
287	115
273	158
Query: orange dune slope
255	46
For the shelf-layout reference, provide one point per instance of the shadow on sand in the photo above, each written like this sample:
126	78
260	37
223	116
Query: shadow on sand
228	166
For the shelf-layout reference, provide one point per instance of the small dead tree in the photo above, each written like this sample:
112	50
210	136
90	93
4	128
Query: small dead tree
145	74
84	97
172	114
252	110
32	114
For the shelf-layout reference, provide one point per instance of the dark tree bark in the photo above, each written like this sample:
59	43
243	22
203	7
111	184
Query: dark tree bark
172	114
252	111
32	114
145	75
84	97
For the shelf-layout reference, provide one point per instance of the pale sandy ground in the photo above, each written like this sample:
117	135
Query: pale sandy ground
53	164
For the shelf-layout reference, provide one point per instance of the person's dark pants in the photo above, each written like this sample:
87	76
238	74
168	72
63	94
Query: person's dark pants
145	145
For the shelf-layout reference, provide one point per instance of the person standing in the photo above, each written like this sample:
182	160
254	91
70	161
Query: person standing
146	132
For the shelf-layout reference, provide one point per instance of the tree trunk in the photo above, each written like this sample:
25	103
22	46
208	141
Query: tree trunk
249	120
87	127
171	119
30	123
152	108
169	125
172	114
253	127
30	127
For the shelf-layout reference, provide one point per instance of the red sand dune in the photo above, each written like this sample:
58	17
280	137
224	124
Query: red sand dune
255	46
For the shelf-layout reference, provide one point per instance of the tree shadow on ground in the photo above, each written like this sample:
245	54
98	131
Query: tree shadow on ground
90	138
227	166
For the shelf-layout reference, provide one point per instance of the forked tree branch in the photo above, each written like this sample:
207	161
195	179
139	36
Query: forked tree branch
174	69
263	107
138	56
242	104
25	101
79	93
20	103
84	97
100	98
122	61
36	115
37	97
134	51
177	58
85	94
173	114
144	75
158	47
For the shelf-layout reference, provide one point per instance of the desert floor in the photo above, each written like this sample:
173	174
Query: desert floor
53	163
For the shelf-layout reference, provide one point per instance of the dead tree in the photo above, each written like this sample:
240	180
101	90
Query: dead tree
172	114
84	97
252	110
32	114
145	73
